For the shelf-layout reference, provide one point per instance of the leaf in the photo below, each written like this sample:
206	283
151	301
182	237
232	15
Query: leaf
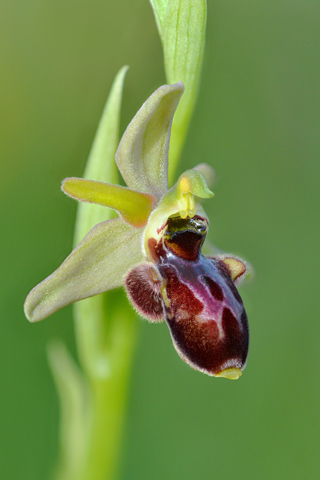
74	397
183	37
101	165
159	10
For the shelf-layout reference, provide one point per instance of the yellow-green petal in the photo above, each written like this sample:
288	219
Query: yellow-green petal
193	181
207	171
133	207
96	265
142	155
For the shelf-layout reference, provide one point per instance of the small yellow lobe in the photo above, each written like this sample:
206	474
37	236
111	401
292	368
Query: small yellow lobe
231	373
236	267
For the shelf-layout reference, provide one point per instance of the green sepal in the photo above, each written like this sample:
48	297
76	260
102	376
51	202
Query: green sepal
96	265
133	207
142	155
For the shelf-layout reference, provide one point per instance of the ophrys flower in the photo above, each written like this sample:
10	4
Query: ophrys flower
154	249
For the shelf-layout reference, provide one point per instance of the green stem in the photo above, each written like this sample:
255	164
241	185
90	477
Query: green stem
93	402
108	371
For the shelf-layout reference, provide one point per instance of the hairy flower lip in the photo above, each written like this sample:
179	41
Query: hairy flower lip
203	309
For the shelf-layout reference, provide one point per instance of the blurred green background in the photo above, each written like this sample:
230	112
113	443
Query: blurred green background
257	122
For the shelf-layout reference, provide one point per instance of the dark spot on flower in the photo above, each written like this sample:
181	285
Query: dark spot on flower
215	289
231	329
185	244
185	236
226	275
236	332
182	299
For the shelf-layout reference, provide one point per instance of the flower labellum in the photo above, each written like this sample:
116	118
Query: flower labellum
197	297
154	249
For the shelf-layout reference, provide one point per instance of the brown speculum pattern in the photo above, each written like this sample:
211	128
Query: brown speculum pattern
196	295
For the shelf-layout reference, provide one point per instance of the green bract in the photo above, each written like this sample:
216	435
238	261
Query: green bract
181	25
101	260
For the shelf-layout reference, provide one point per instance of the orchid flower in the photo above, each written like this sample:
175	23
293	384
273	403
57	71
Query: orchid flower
153	249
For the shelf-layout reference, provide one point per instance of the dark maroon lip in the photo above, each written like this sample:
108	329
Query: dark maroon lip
195	295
